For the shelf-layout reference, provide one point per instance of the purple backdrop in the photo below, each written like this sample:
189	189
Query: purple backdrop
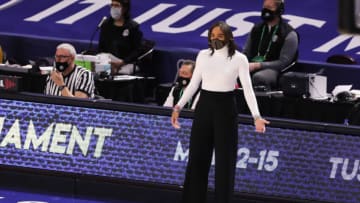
173	23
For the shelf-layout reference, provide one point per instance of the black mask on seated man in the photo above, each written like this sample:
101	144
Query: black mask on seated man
61	66
268	15
182	82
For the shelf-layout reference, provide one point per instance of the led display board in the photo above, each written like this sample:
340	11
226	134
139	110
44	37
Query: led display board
135	146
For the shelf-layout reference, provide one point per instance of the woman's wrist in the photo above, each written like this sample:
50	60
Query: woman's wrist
256	117
176	109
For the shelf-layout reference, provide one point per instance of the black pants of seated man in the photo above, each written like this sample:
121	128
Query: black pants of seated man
214	126
267	78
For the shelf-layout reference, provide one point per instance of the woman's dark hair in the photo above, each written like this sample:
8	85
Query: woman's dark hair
229	38
126	8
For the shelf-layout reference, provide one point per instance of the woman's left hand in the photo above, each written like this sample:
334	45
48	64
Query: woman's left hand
260	125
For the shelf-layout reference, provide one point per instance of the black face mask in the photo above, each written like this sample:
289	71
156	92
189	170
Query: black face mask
61	66
217	44
268	15
182	82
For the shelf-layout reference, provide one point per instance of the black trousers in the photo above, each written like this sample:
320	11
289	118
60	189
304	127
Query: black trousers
267	78
214	127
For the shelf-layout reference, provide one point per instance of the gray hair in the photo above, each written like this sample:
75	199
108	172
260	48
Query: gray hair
68	47
189	62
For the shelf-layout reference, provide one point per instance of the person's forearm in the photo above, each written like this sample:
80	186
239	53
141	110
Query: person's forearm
66	92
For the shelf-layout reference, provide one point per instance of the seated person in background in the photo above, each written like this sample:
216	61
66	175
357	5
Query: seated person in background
272	45
121	36
68	79
184	75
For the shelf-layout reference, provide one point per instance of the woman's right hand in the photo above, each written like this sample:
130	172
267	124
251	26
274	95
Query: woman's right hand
174	117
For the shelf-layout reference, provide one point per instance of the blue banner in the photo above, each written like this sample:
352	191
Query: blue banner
288	163
173	23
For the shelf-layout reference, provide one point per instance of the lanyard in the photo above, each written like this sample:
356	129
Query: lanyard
180	94
270	43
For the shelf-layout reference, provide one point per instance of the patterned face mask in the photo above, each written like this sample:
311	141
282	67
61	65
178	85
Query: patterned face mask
115	13
182	82
61	66
268	15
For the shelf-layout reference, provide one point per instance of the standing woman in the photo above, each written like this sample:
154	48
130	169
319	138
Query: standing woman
215	123
121	36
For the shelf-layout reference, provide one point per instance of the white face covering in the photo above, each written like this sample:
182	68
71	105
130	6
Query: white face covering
115	13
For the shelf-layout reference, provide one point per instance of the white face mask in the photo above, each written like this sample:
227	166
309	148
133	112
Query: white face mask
115	13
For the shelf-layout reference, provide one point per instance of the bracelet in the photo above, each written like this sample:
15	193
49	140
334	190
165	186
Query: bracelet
176	109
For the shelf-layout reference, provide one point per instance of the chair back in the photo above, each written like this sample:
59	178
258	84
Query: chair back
144	59
341	59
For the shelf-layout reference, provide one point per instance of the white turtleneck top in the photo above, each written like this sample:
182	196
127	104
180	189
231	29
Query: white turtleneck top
218	73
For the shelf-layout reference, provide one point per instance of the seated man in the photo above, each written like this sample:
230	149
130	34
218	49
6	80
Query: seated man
271	46
68	79
184	75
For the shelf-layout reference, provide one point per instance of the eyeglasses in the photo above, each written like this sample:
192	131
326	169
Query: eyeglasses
61	56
